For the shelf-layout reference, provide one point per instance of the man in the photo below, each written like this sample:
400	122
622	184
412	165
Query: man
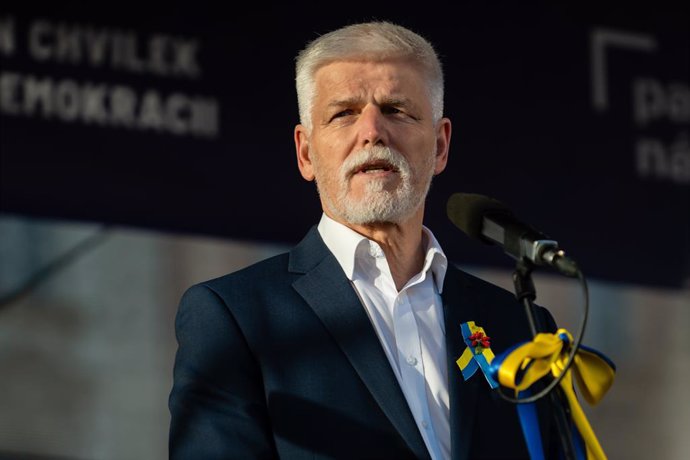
345	347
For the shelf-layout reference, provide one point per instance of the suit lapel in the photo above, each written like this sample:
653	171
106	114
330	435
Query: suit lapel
329	293
459	307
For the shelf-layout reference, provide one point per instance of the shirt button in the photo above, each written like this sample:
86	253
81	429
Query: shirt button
411	360
425	424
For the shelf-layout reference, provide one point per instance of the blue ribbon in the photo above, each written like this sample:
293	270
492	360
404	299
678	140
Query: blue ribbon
529	421
530	427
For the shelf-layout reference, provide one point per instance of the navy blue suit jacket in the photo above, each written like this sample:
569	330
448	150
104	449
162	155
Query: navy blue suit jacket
280	360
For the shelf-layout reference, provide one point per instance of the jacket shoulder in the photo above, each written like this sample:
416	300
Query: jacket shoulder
255	272
258	279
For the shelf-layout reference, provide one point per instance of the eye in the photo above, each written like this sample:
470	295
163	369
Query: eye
390	110
342	113
398	112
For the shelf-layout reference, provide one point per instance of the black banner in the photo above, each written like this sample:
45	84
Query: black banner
180	118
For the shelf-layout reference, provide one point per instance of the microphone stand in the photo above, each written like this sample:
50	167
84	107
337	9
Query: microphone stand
527	294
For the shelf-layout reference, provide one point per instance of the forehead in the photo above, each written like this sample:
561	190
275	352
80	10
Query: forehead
370	79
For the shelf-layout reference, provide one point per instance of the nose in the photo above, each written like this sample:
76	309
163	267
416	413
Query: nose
372	127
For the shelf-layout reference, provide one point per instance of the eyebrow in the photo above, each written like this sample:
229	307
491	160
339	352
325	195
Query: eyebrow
403	102
391	101
344	102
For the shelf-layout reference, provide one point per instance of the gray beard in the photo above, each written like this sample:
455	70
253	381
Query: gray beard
377	205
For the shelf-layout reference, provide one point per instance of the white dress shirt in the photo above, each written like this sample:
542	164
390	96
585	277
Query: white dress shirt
409	324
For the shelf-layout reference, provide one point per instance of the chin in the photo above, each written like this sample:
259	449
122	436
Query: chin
371	212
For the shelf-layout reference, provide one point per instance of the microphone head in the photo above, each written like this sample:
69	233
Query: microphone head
467	210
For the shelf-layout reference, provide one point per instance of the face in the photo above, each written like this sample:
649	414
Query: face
374	146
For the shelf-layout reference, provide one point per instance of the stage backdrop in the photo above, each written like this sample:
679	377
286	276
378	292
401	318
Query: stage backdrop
181	118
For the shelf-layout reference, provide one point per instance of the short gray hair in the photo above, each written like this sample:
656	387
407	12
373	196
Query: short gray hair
368	41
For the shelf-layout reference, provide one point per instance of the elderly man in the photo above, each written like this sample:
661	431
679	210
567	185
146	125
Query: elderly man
345	347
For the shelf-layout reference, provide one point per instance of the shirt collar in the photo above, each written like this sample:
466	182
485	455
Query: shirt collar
435	259
342	241
345	243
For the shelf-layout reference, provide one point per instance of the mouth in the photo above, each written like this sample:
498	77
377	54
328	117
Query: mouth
375	167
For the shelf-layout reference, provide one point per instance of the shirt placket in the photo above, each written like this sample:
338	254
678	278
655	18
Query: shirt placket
412	367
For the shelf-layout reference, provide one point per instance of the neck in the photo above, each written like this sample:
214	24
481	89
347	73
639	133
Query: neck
401	243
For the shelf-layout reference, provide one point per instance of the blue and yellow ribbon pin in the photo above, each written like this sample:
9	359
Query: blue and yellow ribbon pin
477	354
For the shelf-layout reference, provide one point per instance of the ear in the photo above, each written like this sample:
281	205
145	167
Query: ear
443	132
303	153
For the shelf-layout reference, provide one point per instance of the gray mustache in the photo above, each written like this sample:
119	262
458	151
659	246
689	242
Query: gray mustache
358	159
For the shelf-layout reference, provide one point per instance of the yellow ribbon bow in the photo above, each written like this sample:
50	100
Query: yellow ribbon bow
593	372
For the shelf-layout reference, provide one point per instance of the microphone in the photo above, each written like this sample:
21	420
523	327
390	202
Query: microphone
491	222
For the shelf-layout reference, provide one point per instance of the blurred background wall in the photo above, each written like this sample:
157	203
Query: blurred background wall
144	148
